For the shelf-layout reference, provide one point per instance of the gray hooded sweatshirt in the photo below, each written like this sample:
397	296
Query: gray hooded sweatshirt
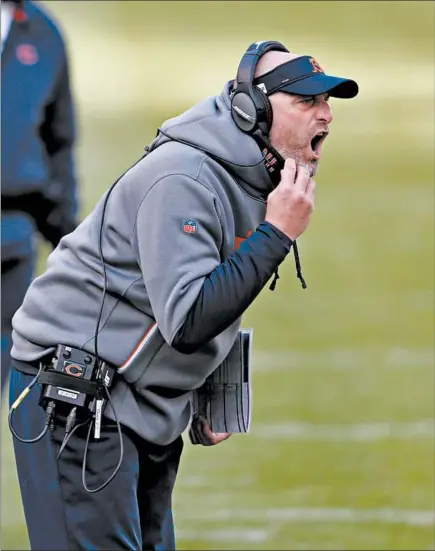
178	227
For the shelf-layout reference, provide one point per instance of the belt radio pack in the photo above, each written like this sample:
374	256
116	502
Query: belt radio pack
77	378
77	381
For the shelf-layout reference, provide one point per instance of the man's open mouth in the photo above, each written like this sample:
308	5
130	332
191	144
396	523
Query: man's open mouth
316	143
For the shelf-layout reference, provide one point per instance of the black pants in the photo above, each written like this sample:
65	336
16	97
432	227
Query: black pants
127	514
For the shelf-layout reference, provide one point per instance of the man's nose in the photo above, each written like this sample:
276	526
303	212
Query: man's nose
325	113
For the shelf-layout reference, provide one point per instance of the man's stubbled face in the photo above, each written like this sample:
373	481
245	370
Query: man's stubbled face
300	125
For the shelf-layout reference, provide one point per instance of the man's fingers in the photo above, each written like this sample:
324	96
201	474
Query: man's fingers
208	434
207	430
214	437
303	177
201	433
221	436
198	427
197	435
288	173
193	437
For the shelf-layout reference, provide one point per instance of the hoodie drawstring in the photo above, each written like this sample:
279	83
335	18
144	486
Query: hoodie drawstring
298	266
298	270
275	279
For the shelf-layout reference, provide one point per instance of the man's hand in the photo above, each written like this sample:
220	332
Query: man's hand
291	203
200	433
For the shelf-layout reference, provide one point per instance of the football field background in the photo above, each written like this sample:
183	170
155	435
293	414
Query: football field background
341	453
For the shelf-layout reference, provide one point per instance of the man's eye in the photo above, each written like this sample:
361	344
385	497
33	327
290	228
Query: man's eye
314	99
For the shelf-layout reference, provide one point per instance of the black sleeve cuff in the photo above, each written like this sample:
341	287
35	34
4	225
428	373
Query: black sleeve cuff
271	230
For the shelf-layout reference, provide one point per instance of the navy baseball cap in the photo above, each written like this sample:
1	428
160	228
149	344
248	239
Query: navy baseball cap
304	76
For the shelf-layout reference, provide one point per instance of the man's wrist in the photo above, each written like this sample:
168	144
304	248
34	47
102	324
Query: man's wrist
272	229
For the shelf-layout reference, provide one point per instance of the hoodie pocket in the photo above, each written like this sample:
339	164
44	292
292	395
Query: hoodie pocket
143	354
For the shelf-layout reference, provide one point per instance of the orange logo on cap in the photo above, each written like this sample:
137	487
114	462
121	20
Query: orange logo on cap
316	66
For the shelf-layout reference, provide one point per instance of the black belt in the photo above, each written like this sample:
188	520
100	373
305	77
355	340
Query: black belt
30	367
56	378
46	360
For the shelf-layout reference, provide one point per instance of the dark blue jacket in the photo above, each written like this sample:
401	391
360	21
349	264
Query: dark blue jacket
38	133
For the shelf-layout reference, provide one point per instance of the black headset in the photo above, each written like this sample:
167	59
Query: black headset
252	113
250	107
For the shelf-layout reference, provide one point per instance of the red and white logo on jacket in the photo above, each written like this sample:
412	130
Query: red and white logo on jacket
27	54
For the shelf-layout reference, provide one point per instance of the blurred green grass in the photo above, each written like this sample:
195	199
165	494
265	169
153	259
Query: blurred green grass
341	451
362	27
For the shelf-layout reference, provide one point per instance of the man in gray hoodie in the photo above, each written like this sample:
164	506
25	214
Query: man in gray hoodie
154	283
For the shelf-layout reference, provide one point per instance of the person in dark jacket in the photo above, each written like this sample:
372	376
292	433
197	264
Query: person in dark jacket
38	182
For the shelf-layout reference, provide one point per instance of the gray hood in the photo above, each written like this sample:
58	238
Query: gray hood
209	126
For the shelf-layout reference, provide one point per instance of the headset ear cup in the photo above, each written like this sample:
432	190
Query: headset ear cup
244	112
267	106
